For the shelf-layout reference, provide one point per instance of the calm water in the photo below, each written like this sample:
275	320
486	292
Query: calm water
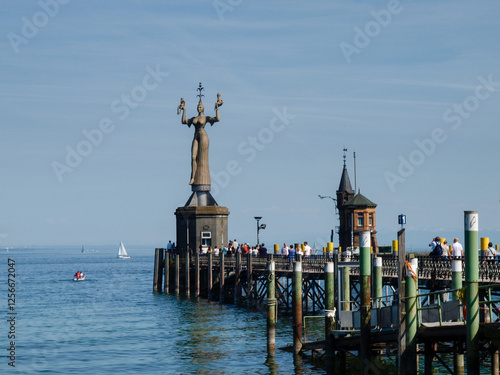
112	323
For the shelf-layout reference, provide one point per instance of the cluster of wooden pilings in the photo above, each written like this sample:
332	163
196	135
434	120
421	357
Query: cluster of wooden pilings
264	281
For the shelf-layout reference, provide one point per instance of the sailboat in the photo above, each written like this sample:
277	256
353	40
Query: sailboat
122	253
83	250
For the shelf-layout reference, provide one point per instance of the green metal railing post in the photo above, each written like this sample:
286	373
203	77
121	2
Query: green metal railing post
472	291
365	273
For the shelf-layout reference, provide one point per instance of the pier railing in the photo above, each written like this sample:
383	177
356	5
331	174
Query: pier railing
430	268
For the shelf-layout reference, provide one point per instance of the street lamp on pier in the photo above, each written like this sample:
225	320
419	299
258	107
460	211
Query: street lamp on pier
259	227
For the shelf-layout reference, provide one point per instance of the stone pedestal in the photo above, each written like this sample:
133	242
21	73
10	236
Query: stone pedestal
201	225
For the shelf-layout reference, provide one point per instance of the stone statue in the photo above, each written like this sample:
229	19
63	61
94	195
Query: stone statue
200	172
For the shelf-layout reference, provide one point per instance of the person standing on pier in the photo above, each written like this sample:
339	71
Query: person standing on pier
284	250
490	253
291	252
307	250
446	249
457	249
262	250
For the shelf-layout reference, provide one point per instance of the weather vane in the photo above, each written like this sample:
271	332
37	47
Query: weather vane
345	150
200	89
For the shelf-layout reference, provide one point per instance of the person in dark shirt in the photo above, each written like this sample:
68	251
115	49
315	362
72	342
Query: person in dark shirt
262	251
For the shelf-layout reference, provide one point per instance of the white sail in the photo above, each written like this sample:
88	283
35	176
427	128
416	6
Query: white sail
122	253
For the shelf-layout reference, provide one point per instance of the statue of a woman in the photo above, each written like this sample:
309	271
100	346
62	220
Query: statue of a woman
200	172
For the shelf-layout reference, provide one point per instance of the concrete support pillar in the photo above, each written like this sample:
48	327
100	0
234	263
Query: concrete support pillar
297	306
472	290
365	278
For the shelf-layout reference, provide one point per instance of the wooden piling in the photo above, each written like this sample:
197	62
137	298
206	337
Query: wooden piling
401	256
329	315
187	286
210	281
430	353
166	267
197	274
472	290
495	362
456	283
222	276
377	281
271	306
411	317
177	273
237	280
365	276
156	270
249	280
346	283
297	306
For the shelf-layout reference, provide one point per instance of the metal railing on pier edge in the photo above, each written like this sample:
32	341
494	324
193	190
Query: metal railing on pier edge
430	268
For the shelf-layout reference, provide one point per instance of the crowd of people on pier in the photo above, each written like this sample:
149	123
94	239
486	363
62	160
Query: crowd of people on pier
442	249
233	248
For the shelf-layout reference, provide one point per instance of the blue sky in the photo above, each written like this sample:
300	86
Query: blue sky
412	86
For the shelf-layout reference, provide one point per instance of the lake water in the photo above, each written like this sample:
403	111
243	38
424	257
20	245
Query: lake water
112	323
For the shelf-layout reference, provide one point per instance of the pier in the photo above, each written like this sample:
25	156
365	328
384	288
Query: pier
404	306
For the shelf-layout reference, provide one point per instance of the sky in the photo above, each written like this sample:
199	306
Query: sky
93	151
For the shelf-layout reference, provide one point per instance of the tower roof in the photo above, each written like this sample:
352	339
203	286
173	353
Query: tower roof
345	183
359	200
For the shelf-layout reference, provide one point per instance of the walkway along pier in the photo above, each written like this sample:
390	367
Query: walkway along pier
398	305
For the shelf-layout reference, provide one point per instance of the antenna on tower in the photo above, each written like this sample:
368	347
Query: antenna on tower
355	184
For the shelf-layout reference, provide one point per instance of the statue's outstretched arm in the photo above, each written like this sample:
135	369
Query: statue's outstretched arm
182	107
218	103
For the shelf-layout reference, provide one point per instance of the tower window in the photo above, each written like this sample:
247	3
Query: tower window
361	221
370	220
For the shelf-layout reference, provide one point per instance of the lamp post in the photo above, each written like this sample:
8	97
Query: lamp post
336	210
259	227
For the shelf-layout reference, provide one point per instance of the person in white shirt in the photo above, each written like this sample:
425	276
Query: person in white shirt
284	250
298	250
216	251
490	253
456	249
307	250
